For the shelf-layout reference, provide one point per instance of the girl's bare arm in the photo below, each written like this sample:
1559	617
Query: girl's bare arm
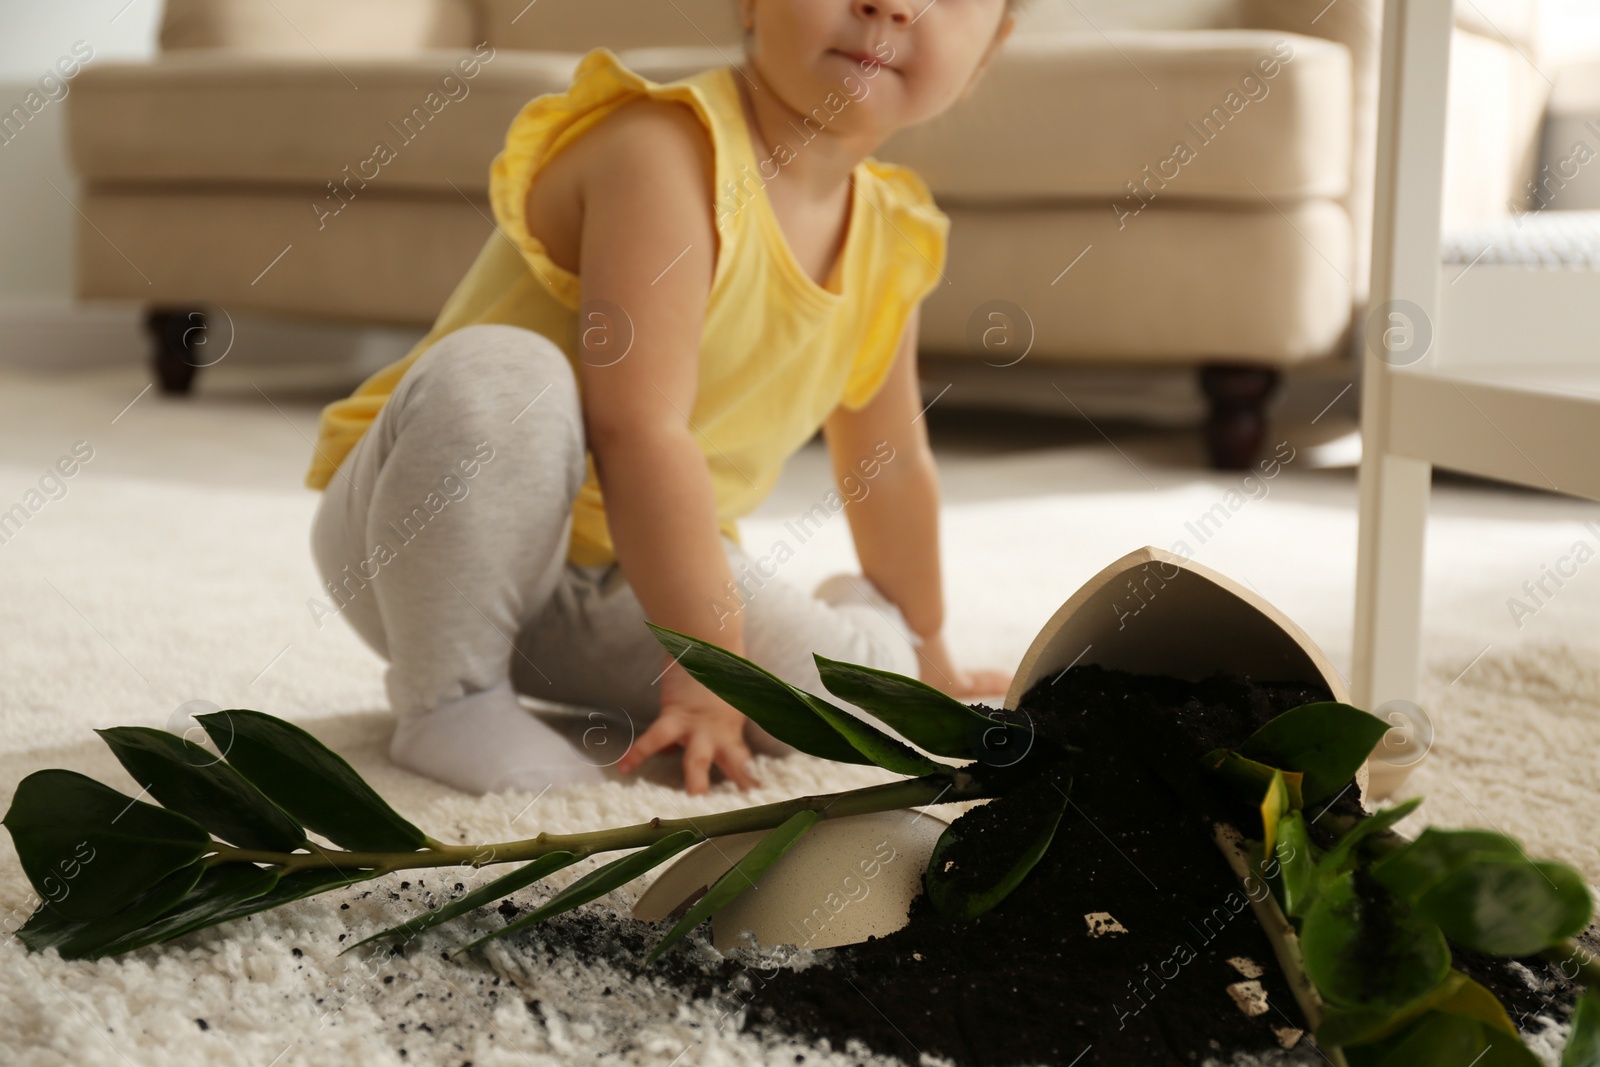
894	513
647	252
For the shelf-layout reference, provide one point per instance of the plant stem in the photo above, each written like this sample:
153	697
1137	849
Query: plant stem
942	788
1280	933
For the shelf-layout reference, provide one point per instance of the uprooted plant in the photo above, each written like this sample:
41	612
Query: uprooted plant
228	837
1372	916
1359	923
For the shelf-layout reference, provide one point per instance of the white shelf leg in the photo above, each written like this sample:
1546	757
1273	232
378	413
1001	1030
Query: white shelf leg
1393	531
1405	279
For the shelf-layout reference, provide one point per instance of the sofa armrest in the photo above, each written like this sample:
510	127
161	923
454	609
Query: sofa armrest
349	27
1568	179
1358	25
1497	95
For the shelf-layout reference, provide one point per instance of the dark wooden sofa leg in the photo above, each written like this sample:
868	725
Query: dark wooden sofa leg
1237	425
177	335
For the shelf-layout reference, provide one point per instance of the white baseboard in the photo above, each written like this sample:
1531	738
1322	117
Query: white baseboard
54	332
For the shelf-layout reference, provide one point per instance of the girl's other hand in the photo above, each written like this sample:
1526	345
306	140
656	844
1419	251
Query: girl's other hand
941	672
709	728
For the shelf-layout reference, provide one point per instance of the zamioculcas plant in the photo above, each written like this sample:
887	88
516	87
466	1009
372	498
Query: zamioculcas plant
230	837
1370	914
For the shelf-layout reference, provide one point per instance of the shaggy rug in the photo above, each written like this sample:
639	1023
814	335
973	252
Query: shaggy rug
174	565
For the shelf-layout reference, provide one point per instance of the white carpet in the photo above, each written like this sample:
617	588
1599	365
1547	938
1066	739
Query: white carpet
177	567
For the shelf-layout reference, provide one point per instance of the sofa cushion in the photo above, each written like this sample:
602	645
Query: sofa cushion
316	27
389	259
1056	117
1093	16
1231	114
1249	284
579	25
1180	284
210	116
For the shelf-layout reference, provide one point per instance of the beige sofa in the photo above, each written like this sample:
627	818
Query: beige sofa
1166	183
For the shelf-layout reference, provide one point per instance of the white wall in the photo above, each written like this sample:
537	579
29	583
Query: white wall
1568	28
35	221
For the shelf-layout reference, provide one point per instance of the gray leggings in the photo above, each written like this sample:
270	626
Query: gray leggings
443	536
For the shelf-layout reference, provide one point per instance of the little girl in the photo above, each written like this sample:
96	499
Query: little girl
687	280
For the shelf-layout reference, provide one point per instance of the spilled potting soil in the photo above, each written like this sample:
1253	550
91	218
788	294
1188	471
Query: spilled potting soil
1131	942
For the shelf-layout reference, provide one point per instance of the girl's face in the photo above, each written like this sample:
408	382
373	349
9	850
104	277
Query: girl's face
898	61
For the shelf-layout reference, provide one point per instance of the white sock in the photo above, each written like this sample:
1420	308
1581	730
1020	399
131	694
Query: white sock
487	742
878	615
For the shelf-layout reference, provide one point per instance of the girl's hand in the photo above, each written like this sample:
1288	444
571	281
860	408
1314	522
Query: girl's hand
941	672
709	728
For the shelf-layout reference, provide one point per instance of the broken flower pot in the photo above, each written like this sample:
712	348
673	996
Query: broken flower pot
1150	612
856	879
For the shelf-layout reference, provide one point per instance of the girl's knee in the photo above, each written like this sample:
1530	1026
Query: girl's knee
496	369
502	384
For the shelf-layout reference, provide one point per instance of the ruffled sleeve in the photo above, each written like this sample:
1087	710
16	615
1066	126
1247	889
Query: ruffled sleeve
911	263
546	125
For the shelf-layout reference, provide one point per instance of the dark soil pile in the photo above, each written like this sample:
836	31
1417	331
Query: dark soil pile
1027	982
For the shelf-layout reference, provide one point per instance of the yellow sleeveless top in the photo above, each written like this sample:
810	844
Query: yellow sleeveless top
778	352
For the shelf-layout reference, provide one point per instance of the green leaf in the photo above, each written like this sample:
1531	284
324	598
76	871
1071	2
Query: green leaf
1505	1050
1339	855
874	744
741	876
217	887
1435	853
1374	951
81	940
1444	1039
1509	906
1583	1040
927	717
960	894
310	781
224	891
89	850
598	882
1476	1002
1250	780
231	891
1300	880
792	715
1274	806
222	888
487	893
1326	741
291	887
1359	1025
1457	994
189	780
